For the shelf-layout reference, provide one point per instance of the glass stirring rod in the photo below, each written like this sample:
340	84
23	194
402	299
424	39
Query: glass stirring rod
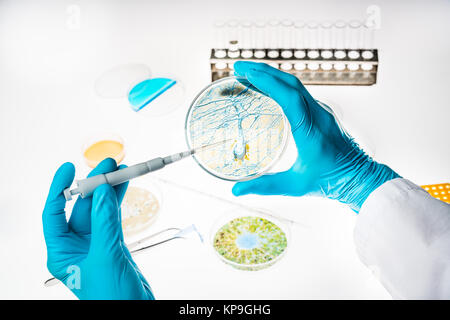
86	187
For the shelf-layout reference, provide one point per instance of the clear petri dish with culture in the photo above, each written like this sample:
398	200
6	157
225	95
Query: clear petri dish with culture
250	241
141	206
251	125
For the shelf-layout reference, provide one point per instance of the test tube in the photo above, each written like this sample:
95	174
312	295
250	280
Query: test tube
367	68
325	39
273	64
338	32
299	31
326	66
233	51
369	35
354	31
312	28
299	66
232	31
339	66
368	40
313	66
287	31
260	42
246	39
312	34
220	41
274	38
286	66
353	67
221	65
325	35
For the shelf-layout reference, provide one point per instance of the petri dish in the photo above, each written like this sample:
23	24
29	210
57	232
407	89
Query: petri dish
103	146
146	94
140	207
248	240
252	125
157	97
119	80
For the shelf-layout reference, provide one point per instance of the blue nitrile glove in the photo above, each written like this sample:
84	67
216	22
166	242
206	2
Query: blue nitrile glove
88	253
329	162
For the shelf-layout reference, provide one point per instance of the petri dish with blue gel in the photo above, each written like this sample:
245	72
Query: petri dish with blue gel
143	92
148	90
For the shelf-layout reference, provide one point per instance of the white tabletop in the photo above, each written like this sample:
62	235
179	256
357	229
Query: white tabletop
49	107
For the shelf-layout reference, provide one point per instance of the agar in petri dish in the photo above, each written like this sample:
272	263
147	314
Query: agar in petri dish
250	242
139	210
252	125
101	147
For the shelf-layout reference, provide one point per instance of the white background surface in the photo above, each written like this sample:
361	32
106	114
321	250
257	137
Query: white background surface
48	107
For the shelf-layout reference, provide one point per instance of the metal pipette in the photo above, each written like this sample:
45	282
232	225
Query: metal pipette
86	187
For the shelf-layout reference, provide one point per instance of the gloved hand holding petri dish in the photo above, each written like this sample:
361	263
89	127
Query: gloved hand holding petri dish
252	125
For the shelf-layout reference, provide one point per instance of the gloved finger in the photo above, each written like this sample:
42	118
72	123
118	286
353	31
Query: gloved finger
127	254
54	216
80	220
269	184
241	68
290	99
105	223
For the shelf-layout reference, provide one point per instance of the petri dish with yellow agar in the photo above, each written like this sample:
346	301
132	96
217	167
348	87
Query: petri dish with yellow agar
250	241
101	147
141	206
252	125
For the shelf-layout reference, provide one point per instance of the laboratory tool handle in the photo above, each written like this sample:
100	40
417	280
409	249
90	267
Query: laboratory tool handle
87	186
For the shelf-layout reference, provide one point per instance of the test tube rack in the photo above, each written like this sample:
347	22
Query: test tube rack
311	66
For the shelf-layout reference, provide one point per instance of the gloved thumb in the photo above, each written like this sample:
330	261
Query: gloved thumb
106	229
269	184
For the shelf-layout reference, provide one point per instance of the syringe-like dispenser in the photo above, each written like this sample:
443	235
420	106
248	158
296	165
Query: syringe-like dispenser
86	187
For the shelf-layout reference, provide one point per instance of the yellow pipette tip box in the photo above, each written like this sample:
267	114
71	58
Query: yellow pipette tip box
439	191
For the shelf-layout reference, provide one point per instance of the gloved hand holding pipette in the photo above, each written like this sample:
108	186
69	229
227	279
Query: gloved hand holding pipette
329	162
88	253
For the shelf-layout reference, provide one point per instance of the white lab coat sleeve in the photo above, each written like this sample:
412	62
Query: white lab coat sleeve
403	235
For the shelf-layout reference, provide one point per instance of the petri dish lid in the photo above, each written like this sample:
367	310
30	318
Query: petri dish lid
251	124
152	96
118	81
